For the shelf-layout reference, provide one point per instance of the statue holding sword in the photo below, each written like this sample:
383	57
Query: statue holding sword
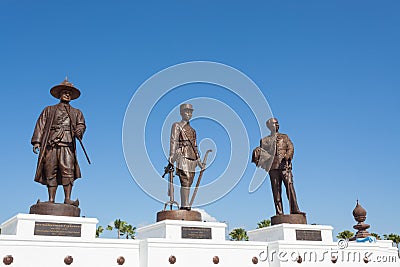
184	153
279	166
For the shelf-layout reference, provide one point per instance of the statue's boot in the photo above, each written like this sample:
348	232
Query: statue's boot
72	202
185	191
291	194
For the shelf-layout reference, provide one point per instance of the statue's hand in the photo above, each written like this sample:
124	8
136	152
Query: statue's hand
200	164
171	166
36	148
78	133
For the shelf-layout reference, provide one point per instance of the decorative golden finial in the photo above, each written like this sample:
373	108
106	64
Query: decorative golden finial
66	82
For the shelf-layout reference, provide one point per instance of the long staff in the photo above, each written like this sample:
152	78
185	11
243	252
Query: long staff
77	137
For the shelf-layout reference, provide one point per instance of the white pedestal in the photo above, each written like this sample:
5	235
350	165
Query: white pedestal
46	241
160	243
292	232
173	229
34	225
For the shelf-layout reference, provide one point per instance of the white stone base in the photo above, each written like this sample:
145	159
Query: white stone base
172	229
23	225
18	240
155	252
274	246
287	232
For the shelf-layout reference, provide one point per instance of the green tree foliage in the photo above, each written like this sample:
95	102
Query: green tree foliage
394	237
117	225
263	223
239	234
377	236
123	229
129	231
99	230
346	234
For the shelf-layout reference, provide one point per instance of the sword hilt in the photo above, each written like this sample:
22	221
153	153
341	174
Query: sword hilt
205	157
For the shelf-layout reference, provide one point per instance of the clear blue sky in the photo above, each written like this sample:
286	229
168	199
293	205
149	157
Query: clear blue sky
328	69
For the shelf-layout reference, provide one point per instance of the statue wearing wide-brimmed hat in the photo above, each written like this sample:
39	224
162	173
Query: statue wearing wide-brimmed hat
54	136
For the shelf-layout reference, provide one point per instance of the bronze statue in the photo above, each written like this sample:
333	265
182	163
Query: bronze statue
281	168
54	137
183	151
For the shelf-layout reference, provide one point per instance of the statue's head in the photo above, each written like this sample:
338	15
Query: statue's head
65	95
64	91
273	125
186	111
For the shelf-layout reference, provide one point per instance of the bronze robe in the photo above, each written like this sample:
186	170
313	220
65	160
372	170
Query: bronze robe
41	135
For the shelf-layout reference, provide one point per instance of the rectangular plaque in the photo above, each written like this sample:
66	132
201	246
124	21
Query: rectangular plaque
196	232
57	229
308	235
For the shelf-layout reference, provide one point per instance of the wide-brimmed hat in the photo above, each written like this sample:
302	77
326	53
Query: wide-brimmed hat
186	106
65	85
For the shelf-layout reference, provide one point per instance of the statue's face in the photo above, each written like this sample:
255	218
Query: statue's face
273	125
186	114
65	95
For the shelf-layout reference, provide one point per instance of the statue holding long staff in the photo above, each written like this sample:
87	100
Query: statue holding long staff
54	138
